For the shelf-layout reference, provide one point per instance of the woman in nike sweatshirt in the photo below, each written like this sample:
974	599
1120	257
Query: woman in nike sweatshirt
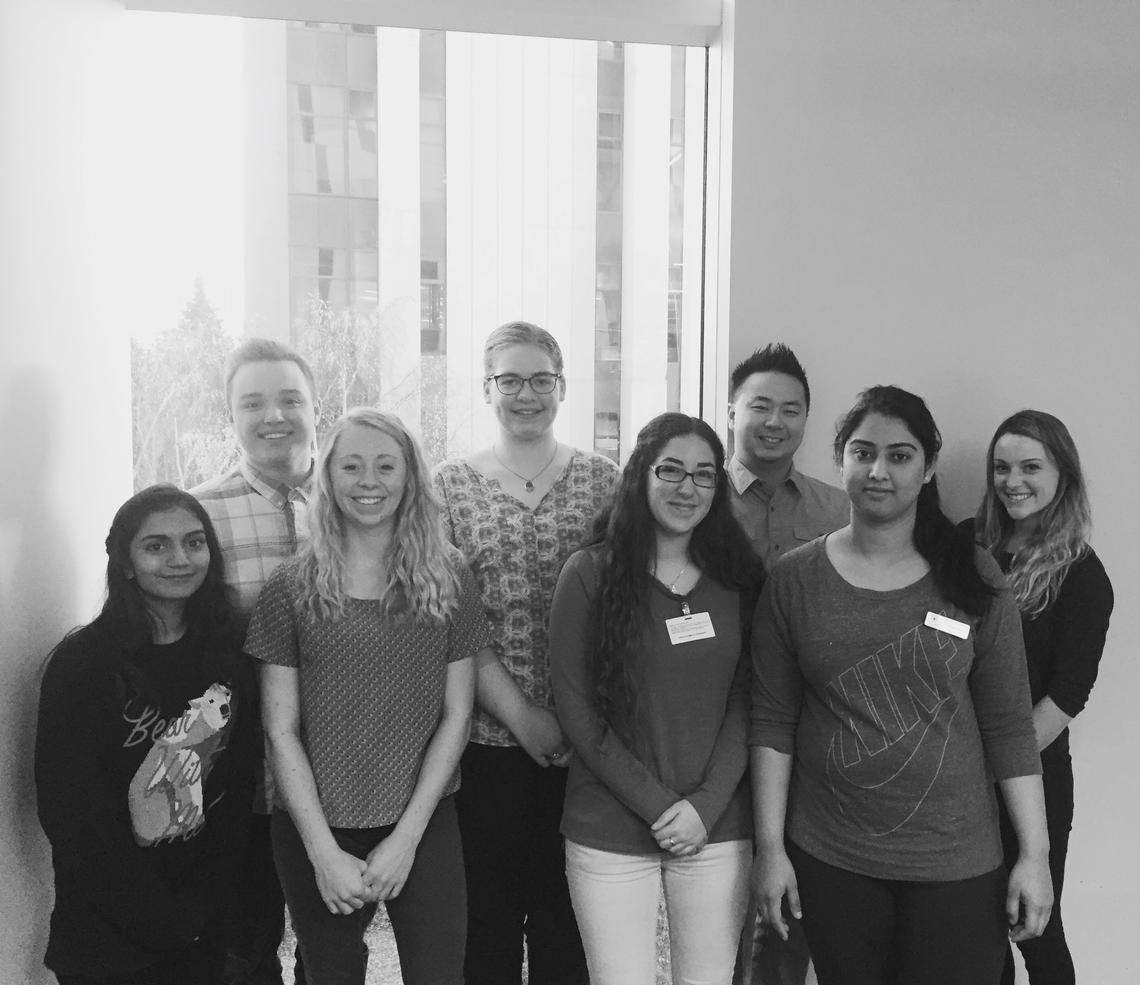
889	691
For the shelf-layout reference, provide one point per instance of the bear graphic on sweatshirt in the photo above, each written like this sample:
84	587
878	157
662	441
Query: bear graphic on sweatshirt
166	793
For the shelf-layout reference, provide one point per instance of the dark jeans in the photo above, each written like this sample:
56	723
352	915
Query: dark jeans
258	916
199	964
509	812
428	917
867	931
1047	958
765	959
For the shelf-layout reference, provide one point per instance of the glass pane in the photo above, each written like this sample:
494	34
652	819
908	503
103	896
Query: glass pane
365	264
303	219
301	55
365	223
303	261
301	97
366	295
328	154
332	222
332	59
361	105
303	159
327	101
361	69
362	160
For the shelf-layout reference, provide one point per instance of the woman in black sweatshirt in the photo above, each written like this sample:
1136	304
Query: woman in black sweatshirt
144	756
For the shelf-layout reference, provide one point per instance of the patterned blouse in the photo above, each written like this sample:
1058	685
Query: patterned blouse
516	555
372	690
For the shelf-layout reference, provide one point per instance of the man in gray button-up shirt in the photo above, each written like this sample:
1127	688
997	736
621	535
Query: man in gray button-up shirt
779	509
777	505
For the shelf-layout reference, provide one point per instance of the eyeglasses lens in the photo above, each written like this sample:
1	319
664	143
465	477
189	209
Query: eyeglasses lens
540	383
705	478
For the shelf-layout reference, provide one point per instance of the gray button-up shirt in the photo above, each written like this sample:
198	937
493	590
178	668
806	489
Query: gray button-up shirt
779	518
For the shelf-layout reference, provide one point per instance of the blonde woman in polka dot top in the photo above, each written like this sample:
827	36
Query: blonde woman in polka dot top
367	641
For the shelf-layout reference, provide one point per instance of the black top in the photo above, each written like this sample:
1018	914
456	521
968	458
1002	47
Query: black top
144	778
1064	643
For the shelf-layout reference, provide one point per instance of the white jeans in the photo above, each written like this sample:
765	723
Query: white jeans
615	901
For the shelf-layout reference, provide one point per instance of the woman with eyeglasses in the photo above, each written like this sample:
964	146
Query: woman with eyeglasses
649	657
1035	520
517	509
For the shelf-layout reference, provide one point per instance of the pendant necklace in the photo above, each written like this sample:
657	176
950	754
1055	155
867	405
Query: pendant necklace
528	484
685	610
680	574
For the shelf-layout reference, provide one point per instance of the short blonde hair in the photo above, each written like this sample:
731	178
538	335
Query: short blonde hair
520	333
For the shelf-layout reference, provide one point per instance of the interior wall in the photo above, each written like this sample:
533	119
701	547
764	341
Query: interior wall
64	393
943	195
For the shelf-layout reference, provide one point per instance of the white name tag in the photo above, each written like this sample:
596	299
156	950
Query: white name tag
695	626
944	624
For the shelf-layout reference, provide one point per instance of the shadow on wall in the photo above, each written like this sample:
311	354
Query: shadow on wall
37	606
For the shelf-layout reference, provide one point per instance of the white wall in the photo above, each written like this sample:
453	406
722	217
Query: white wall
944	195
64	397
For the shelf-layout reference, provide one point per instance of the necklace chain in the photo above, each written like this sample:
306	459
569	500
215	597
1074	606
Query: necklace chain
528	484
680	574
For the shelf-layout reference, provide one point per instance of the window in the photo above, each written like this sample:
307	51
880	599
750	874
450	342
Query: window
427	186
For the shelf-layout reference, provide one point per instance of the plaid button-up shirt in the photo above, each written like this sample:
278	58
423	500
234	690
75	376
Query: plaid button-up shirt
259	525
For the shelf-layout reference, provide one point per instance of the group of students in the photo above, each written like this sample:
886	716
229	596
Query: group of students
516	697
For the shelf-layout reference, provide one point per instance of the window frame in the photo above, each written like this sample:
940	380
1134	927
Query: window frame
672	22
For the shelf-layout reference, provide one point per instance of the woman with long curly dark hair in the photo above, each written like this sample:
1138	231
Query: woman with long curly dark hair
1035	520
648	635
144	758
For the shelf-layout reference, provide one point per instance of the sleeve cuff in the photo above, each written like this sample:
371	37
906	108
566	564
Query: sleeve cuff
773	737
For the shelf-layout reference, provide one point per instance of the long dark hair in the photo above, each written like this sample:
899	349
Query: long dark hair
1061	537
948	551
625	531
124	626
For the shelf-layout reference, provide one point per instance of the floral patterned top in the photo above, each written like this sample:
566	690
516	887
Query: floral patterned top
516	555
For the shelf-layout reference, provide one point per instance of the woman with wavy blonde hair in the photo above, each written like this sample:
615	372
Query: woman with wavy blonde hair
367	641
422	578
1035	520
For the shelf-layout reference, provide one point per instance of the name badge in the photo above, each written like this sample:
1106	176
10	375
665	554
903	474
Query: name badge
694	626
944	624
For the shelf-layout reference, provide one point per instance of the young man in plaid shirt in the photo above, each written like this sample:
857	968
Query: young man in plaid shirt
259	510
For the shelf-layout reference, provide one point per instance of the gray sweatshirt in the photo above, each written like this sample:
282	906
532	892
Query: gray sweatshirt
898	730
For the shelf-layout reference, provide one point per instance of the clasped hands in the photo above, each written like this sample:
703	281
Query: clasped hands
680	830
539	733
346	883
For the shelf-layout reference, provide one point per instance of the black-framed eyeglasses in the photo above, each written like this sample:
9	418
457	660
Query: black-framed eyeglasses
705	478
511	383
